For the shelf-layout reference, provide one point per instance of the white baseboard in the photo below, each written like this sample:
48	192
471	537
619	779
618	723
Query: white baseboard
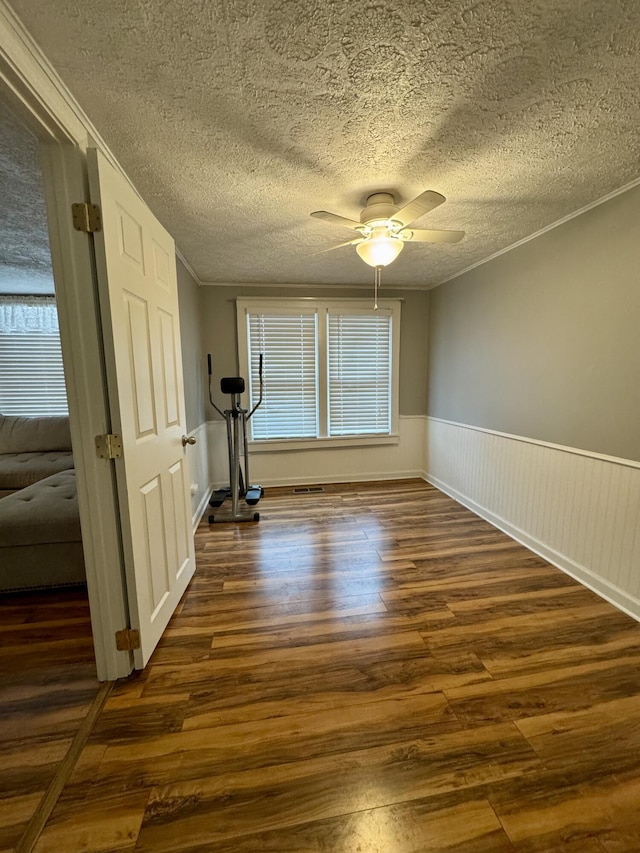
204	502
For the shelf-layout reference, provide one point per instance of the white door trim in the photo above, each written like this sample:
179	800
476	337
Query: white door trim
81	339
35	92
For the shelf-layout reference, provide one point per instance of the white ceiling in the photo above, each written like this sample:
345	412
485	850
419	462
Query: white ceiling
236	119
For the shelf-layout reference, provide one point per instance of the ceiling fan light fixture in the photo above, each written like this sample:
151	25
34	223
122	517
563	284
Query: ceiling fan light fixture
379	249
383	228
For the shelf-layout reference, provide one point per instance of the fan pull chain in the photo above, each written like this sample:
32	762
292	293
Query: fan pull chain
376	285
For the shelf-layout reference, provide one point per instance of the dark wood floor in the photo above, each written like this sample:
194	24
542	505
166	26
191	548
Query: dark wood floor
372	669
47	684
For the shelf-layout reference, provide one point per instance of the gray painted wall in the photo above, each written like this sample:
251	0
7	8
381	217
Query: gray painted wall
544	341
190	333
219	333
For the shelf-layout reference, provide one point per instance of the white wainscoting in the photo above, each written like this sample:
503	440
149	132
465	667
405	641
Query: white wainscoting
199	472
579	510
218	454
328	464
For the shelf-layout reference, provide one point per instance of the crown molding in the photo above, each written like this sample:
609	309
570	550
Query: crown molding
185	263
542	231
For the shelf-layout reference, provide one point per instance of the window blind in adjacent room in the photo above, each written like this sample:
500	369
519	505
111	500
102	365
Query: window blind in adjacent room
31	372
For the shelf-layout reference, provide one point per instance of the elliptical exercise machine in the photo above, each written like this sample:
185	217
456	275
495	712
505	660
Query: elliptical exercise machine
236	418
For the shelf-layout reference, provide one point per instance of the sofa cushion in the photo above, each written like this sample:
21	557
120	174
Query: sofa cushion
27	435
18	470
46	512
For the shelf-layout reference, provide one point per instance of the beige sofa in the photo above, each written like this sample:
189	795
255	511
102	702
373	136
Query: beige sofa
32	449
40	538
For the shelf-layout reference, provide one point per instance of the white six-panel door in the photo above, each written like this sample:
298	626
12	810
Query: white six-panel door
136	269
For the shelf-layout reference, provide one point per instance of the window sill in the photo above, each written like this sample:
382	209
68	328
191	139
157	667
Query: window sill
285	444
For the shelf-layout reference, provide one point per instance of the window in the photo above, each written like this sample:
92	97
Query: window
31	374
330	369
288	342
359	373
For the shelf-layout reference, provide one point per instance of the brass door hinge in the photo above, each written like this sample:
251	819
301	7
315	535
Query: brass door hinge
109	446
86	217
127	640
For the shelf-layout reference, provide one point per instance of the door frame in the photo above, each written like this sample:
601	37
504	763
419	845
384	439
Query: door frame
39	98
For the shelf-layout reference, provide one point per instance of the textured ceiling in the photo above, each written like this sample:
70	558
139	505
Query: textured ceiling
236	119
25	261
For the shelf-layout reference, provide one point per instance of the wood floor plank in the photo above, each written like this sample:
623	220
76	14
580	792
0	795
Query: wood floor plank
269	696
83	826
281	740
243	691
465	582
273	614
606	735
29	764
545	691
327	630
598	813
299	792
409	827
506	629
47	685
593	640
15	813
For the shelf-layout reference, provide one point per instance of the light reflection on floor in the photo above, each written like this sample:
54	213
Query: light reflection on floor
340	560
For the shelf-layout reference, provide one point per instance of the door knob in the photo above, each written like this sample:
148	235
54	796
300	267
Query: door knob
188	439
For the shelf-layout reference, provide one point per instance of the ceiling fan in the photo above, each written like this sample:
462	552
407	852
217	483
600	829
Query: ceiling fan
383	228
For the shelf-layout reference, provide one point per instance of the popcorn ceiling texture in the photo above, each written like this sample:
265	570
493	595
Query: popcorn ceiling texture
25	261
236	119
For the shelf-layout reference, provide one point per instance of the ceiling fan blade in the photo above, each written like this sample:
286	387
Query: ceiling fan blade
339	246
425	202
335	219
421	236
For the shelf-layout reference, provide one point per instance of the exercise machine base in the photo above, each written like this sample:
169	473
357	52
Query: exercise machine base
251	497
234	519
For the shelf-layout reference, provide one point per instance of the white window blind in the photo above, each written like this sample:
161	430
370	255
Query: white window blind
359	374
31	373
331	370
289	345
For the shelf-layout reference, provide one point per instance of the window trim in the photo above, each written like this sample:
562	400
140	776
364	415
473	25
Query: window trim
245	305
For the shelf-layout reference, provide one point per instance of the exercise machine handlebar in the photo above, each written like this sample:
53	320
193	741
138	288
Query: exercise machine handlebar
217	408
261	389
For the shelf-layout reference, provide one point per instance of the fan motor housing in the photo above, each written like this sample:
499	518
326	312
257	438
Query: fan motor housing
380	207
